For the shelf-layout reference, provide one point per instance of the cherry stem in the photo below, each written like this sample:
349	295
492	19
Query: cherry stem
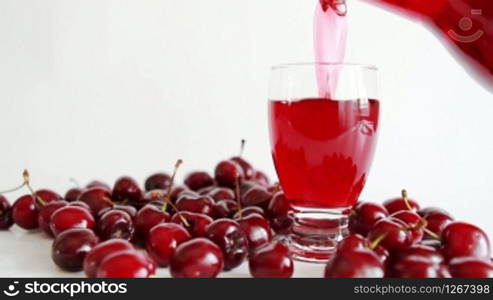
374	244
277	188
109	201
238	200
167	200
406	199
171	182
75	182
432	234
13	189
25	177
242	147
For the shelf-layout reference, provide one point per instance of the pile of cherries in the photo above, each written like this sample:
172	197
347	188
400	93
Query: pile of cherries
214	223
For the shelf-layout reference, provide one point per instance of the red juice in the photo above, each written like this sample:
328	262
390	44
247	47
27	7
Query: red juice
323	149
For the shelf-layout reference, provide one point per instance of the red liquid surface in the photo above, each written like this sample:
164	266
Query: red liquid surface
466	25
323	149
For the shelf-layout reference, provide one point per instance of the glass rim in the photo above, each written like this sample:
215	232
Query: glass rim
330	64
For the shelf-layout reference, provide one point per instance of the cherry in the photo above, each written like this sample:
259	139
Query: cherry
271	260
463	239
130	210
126	264
396	235
415	223
247	168
356	242
402	203
126	190
45	213
25	212
415	266
261	179
98	184
80	204
158	181
362	263
436	218
244	212
97	254
177	191
221	193
364	215
73	194
471	267
196	224
197	204
257	230
71	246
229	236
424	251
115	224
197	258
97	198
198	180
162	241
225	208
148	217
279	211
258	196
227	172
48	196
69	217
5	214
324	4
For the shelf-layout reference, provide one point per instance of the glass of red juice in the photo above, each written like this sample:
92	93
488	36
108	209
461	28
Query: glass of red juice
323	130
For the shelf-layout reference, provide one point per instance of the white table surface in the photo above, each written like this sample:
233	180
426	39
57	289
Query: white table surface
28	254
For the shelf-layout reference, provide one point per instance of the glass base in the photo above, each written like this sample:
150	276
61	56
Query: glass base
315	233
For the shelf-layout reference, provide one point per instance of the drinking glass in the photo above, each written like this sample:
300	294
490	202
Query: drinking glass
323	130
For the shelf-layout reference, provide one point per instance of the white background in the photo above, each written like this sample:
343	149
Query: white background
96	89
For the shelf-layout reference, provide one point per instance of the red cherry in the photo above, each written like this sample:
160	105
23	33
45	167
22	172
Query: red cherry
158	181
125	264
229	236
261	179
424	251
72	194
355	242
221	193
162	241
115	224
198	180
126	190
246	167
69	217
197	204
471	267
258	196
130	210
97	198
364	215
436	218
48	195
45	213
5	214
197	258
148	217
226	208
396	204
362	263
71	246
257	230
279	211
415	266
196	223
177	191
98	184
227	172
80	204
271	260
463	239
25	212
245	212
396	235
414	222
97	254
